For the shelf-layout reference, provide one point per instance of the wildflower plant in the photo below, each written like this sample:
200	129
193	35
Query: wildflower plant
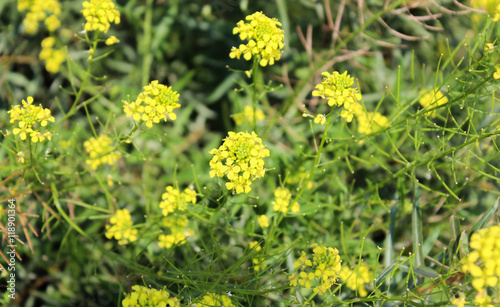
29	120
173	200
241	159
37	11
147	297
121	227
100	151
100	14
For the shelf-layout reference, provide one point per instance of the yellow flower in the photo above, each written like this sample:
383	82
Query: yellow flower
369	122
53	57
212	299
356	279
47	10
486	250
432	99
179	231
100	151
320	119
142	296
496	74
337	89
497	14
265	39
29	117
263	221
121	228
156	102
112	40
282	201
459	301
173	199
241	159
258	262
247	116
488	5
99	14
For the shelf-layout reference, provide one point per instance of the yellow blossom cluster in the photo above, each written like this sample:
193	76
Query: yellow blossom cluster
320	119
47	11
99	14
153	104
282	200
488	5
178	229
258	262
337	89
323	270
149	297
265	39
53	57
357	278
173	199
121	228
432	99
212	300
112	40
247	116
241	159
496	74
263	221
369	122
29	117
486	252
100	151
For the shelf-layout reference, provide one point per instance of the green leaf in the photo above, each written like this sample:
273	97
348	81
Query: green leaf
464	245
455	227
485	217
423	271
416	223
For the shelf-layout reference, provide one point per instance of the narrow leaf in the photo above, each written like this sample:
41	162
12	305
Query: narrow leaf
416	223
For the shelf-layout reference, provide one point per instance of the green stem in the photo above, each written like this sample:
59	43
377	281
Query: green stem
255	69
146	66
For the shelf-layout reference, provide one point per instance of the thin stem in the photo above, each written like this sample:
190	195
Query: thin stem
255	69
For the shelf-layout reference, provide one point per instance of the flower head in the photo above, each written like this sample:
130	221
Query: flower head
121	228
173	199
112	40
247	116
178	231
100	151
486	250
496	74
282	200
432	99
263	221
337	89
47	11
322	271
265	39
99	14
29	117
241	159
53	57
145	297
369	122
212	300
356	279
156	102
320	119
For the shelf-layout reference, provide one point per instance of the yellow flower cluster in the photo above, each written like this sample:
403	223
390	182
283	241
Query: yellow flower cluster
247	116
488	5
486	249
324	269
369	122
112	40
265	39
99	14
432	99
258	262
53	57
356	279
263	221
337	89
497	14
282	201
496	74
178	229
29	116
47	10
241	159
153	104
100	151
173	199
212	300
148	297
320	119
122	228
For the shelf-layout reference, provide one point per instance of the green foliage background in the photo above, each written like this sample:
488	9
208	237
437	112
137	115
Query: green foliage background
389	198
